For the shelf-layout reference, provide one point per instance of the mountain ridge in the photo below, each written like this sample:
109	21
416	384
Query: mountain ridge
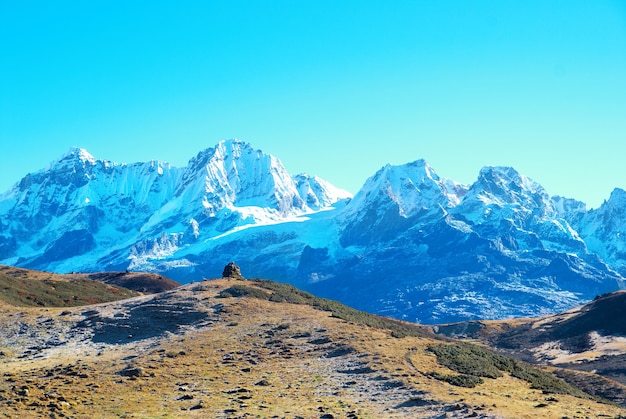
410	244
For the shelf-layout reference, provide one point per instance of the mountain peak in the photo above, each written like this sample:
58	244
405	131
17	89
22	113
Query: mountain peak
618	197
234	173
78	154
318	193
226	150
500	175
393	199
414	187
505	185
234	145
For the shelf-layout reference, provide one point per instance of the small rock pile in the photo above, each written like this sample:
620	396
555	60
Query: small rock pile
232	271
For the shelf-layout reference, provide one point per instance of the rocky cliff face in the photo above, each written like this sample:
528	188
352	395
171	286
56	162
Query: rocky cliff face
410	244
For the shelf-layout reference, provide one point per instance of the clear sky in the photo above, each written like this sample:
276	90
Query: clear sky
332	88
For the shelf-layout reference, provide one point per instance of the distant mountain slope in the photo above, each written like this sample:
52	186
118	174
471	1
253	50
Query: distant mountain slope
410	244
232	348
589	338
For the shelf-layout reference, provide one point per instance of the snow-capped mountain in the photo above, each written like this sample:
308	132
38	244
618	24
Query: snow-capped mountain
86	214
409	244
507	206
395	199
79	205
496	248
604	229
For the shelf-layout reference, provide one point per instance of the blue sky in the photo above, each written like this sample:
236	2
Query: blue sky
332	88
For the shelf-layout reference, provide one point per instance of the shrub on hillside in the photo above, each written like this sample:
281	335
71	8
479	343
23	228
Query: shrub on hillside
477	361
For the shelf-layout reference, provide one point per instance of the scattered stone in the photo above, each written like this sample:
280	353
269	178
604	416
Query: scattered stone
419	402
368	370
132	372
237	390
339	350
197	406
320	341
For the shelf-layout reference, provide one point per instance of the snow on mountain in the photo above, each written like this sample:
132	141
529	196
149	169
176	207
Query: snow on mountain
396	198
409	244
604	230
504	192
147	210
503	200
78	204
318	193
447	252
233	174
225	189
569	208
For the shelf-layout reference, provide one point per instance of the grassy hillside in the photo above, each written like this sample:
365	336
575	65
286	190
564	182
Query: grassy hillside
470	362
24	288
257	349
147	283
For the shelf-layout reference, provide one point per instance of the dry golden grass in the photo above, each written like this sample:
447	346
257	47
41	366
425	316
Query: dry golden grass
239	358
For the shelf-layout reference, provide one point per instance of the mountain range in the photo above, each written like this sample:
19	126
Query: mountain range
410	244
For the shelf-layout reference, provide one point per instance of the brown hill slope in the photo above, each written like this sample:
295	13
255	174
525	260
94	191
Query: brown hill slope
25	287
242	349
144	282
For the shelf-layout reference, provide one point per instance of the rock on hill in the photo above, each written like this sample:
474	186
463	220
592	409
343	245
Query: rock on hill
230	348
